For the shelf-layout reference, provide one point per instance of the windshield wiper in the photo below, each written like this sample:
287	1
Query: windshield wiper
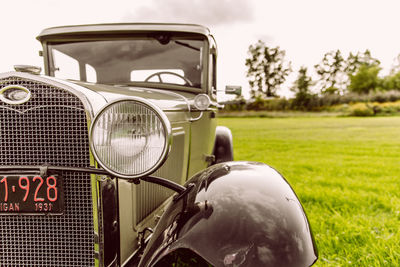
187	45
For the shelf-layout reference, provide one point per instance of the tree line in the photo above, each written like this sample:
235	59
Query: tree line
337	75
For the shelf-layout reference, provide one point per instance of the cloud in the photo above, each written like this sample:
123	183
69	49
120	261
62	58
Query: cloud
207	12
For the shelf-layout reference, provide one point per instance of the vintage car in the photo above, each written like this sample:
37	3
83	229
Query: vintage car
114	158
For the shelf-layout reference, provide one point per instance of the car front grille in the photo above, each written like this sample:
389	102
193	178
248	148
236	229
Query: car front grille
51	128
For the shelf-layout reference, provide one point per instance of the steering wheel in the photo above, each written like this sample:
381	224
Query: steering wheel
158	74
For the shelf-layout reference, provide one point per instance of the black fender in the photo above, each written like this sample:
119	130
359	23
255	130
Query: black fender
223	146
235	214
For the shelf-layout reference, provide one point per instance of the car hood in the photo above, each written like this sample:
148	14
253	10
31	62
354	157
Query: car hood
96	96
164	99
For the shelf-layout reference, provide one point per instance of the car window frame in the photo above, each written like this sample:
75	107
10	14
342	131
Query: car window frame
49	63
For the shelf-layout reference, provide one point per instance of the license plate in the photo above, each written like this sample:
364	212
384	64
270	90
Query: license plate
28	194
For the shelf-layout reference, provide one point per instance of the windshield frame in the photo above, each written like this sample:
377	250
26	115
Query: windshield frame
50	67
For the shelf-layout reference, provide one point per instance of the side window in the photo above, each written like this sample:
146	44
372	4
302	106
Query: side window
91	75
213	75
66	67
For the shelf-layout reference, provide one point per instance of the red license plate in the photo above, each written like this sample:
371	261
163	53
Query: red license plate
27	194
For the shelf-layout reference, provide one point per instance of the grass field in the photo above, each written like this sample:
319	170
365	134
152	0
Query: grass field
346	172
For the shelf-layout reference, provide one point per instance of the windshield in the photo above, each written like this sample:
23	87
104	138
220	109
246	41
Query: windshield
159	60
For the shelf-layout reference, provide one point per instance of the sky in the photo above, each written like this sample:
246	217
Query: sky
305	29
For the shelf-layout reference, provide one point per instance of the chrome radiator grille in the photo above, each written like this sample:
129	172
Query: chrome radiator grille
50	128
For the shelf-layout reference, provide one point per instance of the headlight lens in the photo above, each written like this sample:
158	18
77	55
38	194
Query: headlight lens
130	138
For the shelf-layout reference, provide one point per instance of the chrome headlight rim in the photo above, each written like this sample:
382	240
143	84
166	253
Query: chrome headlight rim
168	137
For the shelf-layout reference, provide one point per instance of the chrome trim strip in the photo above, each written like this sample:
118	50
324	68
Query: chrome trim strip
91	100
37	107
94	99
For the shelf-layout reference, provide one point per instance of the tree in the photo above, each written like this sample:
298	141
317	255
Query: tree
266	68
391	82
355	61
335	72
365	80
301	88
332	73
395	68
363	72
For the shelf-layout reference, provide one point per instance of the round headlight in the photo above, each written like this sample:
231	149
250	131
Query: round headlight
130	138
202	102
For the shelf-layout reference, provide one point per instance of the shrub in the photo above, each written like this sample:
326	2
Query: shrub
330	100
388	96
277	104
317	103
361	110
238	104
390	108
257	104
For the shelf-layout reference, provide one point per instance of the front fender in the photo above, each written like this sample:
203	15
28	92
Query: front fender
237	214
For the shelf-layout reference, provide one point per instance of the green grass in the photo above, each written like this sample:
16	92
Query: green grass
346	172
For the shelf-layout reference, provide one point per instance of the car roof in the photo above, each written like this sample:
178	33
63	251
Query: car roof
122	28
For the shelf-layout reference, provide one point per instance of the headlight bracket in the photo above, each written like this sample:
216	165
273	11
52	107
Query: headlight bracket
50	169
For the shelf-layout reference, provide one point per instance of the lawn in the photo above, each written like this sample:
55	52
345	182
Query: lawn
346	172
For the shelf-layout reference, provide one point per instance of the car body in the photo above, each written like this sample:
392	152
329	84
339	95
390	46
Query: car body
120	137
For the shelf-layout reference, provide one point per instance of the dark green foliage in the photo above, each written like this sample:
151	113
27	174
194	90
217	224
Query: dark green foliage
335	72
391	82
331	91
237	104
379	96
301	88
266	68
365	79
340	81
362	110
257	104
270	104
382	97
332	73
355	61
313	102
328	100
363	70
